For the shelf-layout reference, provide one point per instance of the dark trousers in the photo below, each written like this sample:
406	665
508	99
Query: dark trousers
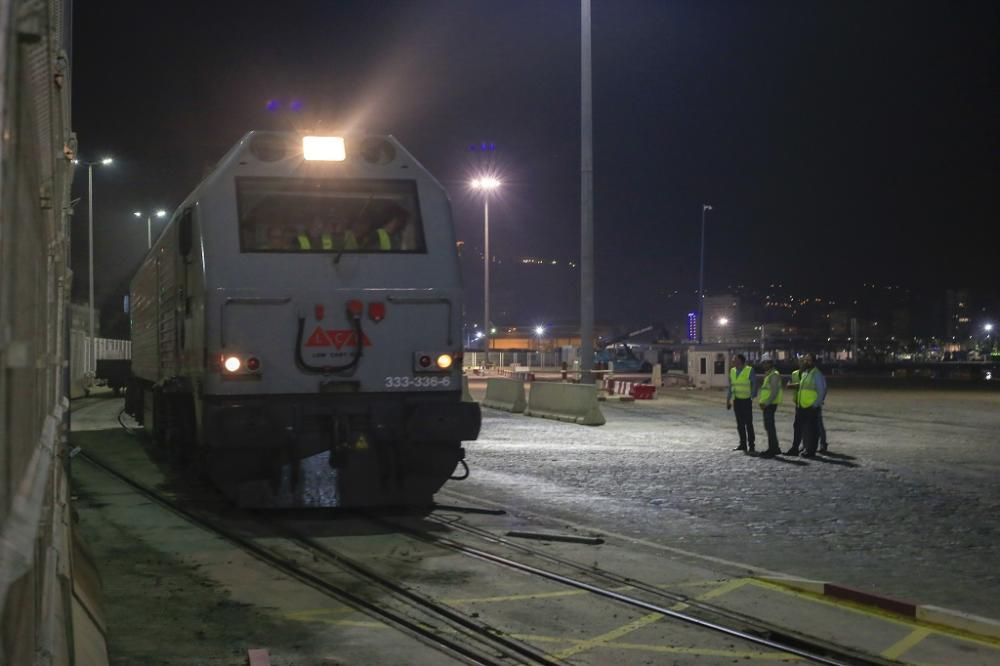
743	408
772	432
810	429
821	429
797	430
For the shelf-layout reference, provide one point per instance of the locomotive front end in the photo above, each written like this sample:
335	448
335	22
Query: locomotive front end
326	363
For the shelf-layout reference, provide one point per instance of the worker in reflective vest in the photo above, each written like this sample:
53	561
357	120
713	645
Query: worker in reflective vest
797	423
739	398
325	242
316	236
769	396
812	393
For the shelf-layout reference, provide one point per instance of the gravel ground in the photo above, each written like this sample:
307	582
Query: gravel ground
910	507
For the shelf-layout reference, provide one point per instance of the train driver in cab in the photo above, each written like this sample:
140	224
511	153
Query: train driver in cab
343	236
388	235
316	235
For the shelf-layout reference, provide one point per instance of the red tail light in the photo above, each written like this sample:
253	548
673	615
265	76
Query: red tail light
320	312
376	311
253	364
355	308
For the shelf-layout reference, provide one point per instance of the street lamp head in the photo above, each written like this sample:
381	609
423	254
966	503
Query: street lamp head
161	213
706	207
485	183
137	213
539	330
988	327
723	321
106	161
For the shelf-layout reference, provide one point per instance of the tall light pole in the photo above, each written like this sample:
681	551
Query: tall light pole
149	224
486	185
701	278
90	250
586	201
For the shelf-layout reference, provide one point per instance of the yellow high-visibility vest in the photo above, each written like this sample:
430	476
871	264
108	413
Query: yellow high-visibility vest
384	241
740	381
807	394
326	240
765	389
349	241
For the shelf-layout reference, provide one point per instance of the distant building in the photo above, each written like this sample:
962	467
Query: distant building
692	326
958	314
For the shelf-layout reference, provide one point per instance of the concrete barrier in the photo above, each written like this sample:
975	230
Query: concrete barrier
576	403
466	393
505	394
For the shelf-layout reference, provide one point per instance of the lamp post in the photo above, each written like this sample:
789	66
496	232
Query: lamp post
539	332
701	278
149	224
586	198
90	251
486	185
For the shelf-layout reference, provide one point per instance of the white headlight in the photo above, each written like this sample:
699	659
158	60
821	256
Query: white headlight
324	148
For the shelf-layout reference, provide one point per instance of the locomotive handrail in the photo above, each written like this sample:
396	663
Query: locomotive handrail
330	369
245	300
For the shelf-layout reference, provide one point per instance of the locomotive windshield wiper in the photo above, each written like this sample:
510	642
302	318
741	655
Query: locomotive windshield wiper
340	253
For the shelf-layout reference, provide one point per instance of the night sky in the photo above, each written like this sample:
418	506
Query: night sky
839	142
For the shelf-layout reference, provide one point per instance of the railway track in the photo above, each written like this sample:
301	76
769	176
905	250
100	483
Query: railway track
463	637
703	615
441	627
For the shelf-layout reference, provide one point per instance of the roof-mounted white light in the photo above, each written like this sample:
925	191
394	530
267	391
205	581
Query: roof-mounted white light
324	148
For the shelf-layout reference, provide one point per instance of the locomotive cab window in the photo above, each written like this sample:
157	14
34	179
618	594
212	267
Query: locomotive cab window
318	215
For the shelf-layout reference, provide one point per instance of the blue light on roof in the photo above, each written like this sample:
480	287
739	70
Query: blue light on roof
273	105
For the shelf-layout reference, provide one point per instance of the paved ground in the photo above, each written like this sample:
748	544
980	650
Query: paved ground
912	511
210	602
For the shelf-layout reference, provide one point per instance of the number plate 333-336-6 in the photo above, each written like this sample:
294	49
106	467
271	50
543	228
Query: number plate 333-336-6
417	382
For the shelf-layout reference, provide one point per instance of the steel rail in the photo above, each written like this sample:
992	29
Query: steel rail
841	659
513	646
850	655
427	635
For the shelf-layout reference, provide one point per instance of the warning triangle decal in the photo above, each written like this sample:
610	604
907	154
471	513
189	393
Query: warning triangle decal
318	339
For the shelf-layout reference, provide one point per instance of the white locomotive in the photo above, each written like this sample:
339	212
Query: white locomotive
304	304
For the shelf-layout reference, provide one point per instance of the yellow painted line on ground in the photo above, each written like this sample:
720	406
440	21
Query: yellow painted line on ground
871	611
524	597
693	583
605	638
582	646
704	652
901	646
725	588
660	649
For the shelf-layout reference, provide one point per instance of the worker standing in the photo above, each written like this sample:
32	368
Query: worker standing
797	423
739	398
812	392
769	397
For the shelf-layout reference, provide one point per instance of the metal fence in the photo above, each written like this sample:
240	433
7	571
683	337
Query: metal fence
503	359
38	598
84	352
